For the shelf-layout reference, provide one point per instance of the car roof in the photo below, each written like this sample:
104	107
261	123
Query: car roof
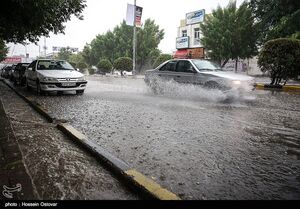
50	60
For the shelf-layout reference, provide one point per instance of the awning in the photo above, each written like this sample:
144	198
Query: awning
183	53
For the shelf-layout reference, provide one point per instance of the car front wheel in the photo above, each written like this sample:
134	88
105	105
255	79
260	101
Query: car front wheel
79	92
39	91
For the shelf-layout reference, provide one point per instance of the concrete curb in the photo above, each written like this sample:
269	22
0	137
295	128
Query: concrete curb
277	87
132	176
37	107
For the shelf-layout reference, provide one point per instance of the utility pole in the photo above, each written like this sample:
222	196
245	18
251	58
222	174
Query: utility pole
45	47
134	41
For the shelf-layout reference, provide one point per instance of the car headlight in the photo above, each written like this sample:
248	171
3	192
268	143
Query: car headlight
49	79
81	79
236	82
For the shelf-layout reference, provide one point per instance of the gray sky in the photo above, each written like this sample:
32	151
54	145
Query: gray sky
101	16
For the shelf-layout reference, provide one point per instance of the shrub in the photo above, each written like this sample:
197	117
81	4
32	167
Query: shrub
123	64
281	59
81	66
161	59
91	71
104	65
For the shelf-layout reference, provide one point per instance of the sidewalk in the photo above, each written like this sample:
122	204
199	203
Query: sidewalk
15	181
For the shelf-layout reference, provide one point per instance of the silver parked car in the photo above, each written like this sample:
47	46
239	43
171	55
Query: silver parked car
46	75
197	71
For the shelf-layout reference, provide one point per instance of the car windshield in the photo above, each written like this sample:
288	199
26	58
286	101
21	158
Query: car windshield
54	65
206	65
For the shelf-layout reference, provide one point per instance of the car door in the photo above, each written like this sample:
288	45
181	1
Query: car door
166	71
31	74
184	72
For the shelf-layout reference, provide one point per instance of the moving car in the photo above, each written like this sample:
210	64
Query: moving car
19	73
197	71
46	75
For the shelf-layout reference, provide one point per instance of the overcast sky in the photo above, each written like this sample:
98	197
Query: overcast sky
103	15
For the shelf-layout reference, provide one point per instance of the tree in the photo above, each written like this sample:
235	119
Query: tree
230	33
64	54
104	65
76	58
118	43
30	19
81	66
161	59
276	19
148	38
123	64
281	59
3	50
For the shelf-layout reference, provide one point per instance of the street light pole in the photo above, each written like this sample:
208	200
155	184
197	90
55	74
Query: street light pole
134	41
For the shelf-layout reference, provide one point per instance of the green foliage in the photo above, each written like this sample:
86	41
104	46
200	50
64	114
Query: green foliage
281	59
118	43
161	59
230	33
64	54
123	64
91	71
31	19
276	19
76	58
104	65
81	65
3	50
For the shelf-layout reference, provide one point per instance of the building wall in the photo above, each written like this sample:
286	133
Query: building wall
190	32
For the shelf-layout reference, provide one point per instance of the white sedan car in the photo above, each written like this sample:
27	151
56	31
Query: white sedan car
47	75
200	72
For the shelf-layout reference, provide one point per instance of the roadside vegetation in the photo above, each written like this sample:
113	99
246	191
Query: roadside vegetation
280	58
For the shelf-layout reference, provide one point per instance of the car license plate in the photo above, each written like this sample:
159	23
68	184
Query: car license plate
68	84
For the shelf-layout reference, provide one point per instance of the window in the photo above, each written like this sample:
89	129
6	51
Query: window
170	66
197	33
184	33
54	65
185	67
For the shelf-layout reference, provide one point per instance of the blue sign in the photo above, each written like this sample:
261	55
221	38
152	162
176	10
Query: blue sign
195	17
182	43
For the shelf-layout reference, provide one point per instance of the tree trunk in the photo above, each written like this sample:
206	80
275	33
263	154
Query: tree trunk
236	64
273	80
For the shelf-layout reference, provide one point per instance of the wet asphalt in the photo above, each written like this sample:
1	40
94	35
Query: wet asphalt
197	143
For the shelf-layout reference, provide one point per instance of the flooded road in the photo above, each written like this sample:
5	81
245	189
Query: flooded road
197	143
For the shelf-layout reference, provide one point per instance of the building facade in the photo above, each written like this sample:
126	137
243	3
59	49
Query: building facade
188	42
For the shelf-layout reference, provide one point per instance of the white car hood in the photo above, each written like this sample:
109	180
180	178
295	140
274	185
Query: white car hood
228	75
60	73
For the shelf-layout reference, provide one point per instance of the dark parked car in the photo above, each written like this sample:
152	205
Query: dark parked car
19	73
13	67
6	71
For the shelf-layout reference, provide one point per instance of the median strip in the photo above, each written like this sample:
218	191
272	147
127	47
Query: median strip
277	87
